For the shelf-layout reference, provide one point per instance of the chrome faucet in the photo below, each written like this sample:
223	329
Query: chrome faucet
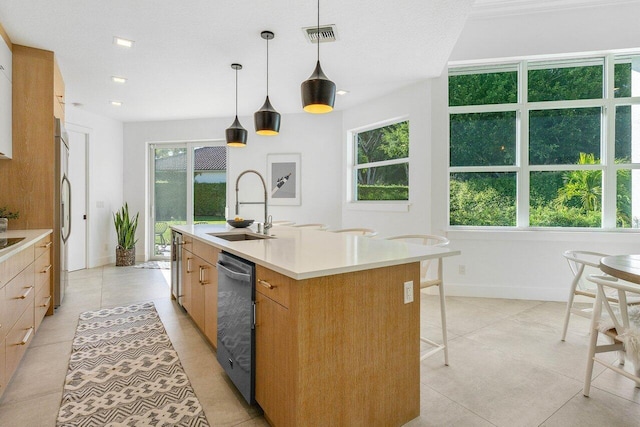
268	224
264	186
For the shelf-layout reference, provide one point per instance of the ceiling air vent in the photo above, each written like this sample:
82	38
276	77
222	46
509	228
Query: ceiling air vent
326	34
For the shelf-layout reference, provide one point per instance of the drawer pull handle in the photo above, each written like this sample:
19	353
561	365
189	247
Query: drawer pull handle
266	284
46	303
26	293
203	280
26	337
46	245
189	265
47	268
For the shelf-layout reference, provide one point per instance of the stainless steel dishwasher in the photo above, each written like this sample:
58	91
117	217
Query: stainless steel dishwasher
236	321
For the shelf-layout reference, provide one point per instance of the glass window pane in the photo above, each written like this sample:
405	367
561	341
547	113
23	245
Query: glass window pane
622	78
565	83
565	199
482	89
170	197
209	184
557	137
482	199
483	139
623	133
385	143
383	183
628	198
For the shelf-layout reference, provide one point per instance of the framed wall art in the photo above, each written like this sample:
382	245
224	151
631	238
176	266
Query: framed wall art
283	179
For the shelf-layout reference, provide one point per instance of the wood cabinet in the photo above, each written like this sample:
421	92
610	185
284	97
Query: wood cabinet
42	270
29	178
6	138
200	286
22	283
331	350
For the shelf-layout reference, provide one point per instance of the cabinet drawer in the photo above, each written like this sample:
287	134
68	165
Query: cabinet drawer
17	341
18	262
42	303
43	245
273	285
18	295
43	268
206	251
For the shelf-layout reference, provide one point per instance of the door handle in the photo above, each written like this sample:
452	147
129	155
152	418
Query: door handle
202	278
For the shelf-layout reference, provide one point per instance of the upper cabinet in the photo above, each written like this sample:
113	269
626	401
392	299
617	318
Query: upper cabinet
6	135
58	93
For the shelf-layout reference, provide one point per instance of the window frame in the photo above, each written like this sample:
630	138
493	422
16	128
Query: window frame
352	170
522	109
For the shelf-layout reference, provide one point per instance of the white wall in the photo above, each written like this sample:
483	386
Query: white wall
525	264
105	181
413	103
315	137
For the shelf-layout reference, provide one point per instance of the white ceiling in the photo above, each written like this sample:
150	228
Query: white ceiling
180	68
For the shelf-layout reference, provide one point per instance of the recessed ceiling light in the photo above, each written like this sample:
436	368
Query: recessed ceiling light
342	92
123	42
116	103
117	79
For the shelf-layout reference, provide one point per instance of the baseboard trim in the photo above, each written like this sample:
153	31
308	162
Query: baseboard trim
514	292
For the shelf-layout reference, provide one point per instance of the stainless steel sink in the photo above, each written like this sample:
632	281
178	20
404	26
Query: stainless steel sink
237	237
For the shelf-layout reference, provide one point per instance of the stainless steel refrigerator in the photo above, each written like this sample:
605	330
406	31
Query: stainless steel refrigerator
62	214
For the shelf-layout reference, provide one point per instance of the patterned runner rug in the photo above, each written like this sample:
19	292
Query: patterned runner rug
124	371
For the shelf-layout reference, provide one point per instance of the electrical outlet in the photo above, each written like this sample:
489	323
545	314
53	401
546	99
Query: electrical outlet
462	269
408	292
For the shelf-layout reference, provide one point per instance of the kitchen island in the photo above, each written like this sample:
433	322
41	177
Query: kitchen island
336	344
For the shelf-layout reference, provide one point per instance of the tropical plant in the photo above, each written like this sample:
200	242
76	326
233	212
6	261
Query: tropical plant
584	185
125	228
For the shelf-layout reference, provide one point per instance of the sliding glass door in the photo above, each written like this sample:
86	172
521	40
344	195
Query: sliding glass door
188	186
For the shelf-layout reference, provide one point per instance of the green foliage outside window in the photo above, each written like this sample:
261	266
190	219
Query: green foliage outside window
385	182
557	136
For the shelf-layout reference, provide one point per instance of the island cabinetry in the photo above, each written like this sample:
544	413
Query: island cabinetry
338	350
275	364
201	287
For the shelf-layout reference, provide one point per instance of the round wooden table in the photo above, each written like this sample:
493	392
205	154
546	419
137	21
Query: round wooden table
625	267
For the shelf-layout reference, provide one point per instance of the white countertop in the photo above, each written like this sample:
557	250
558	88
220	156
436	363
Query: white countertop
303	254
30	237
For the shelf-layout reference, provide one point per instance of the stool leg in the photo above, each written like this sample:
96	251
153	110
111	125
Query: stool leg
443	315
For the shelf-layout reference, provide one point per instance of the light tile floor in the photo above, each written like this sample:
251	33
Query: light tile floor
508	366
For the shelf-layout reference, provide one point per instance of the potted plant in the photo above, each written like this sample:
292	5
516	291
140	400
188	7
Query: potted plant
126	231
5	216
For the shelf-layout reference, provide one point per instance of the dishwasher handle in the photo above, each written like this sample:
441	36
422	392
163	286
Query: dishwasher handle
235	275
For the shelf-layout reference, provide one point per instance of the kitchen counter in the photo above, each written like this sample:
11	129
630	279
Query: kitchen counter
304	254
30	237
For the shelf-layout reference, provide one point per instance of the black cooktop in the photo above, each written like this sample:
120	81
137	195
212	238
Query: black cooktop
5	243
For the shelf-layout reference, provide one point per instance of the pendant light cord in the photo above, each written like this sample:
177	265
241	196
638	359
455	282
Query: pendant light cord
267	66
236	92
318	32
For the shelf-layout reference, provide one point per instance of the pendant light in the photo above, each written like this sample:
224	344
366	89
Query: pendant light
267	119
236	134
318	92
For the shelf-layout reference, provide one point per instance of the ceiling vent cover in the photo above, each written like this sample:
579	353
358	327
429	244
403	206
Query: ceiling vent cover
326	34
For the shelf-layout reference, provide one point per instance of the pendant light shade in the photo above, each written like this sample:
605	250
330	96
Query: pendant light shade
267	119
236	134
318	92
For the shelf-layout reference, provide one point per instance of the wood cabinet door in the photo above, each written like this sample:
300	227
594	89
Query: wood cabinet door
274	362
199	279
211	305
187	272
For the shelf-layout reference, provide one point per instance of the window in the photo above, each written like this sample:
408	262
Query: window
381	163
546	144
